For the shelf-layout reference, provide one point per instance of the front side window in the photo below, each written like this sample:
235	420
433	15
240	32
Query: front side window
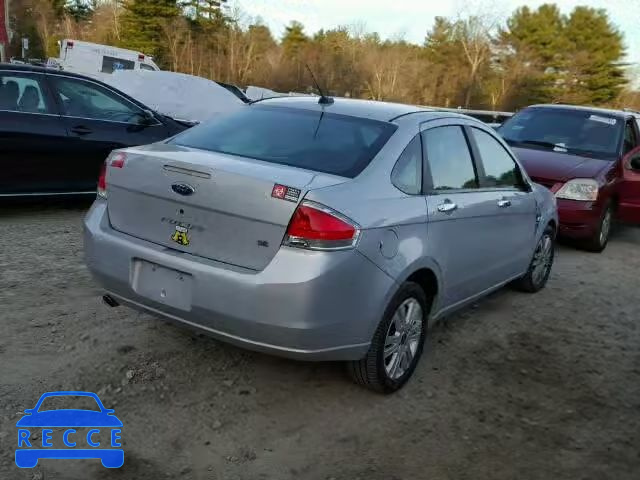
500	169
630	140
315	140
449	159
144	66
83	99
407	173
111	64
572	131
22	93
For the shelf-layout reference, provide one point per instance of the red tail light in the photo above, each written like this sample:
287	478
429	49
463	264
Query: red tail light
102	181
115	160
316	227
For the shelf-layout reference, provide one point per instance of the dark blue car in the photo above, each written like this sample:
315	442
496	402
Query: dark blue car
101	422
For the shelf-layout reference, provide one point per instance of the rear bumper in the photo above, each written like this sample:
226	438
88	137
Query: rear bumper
578	220
304	305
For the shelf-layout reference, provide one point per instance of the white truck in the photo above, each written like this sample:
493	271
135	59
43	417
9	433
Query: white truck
97	60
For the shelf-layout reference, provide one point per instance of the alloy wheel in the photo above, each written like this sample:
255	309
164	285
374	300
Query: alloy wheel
403	338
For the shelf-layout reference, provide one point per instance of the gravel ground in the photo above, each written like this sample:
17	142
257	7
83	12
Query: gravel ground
518	387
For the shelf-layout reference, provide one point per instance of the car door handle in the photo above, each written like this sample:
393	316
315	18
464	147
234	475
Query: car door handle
447	207
504	203
81	130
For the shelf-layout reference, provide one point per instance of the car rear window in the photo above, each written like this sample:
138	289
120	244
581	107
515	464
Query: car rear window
314	140
581	132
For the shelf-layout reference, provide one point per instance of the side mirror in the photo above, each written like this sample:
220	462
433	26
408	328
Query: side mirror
147	118
634	163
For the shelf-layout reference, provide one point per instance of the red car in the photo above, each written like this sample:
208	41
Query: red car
589	157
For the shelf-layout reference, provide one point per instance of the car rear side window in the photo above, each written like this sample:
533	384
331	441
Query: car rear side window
315	140
500	169
449	159
22	93
407	173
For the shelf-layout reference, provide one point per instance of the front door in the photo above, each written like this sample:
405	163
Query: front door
629	188
513	205
99	120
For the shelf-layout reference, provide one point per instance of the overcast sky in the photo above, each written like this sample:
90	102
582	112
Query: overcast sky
411	19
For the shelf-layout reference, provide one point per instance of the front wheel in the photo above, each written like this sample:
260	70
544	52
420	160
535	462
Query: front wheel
540	267
600	239
397	343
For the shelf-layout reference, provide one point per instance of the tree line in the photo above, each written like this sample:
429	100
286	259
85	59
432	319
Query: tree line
536	56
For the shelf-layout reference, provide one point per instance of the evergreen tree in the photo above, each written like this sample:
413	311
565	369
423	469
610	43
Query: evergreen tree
536	39
142	24
294	39
595	74
80	10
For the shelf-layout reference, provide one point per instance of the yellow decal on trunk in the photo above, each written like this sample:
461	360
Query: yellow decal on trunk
180	236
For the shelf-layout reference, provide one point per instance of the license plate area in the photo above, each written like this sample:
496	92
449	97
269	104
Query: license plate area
161	284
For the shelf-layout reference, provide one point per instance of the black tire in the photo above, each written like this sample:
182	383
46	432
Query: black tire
371	371
533	281
600	239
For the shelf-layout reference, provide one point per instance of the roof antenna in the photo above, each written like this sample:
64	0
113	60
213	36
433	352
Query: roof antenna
324	100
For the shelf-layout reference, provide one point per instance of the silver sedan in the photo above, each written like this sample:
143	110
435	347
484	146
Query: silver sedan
320	230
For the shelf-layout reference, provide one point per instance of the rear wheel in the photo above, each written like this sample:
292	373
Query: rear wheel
540	268
397	343
600	239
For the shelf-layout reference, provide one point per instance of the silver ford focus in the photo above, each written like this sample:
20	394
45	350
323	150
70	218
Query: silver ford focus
320	230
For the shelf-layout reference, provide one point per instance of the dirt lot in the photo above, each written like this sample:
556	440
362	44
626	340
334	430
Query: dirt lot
518	387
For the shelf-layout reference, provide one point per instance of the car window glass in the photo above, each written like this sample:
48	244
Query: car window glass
407	173
449	159
144	66
630	140
21	93
88	100
110	64
316	140
579	132
500	169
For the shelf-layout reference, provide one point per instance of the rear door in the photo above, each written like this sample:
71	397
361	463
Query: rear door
99	120
512	209
461	228
33	139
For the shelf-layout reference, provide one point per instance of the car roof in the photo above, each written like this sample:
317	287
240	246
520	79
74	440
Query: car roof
605	111
375	110
18	67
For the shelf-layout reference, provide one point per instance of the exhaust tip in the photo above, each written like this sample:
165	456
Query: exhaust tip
110	301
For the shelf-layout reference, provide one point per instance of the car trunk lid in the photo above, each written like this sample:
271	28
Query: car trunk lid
212	205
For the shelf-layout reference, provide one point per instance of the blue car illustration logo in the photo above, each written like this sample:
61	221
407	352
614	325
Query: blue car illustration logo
69	433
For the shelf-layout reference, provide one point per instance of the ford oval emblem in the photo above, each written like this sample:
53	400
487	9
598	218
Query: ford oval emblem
183	189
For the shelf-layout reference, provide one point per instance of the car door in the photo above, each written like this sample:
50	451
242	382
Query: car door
460	231
629	186
33	139
98	120
513	207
